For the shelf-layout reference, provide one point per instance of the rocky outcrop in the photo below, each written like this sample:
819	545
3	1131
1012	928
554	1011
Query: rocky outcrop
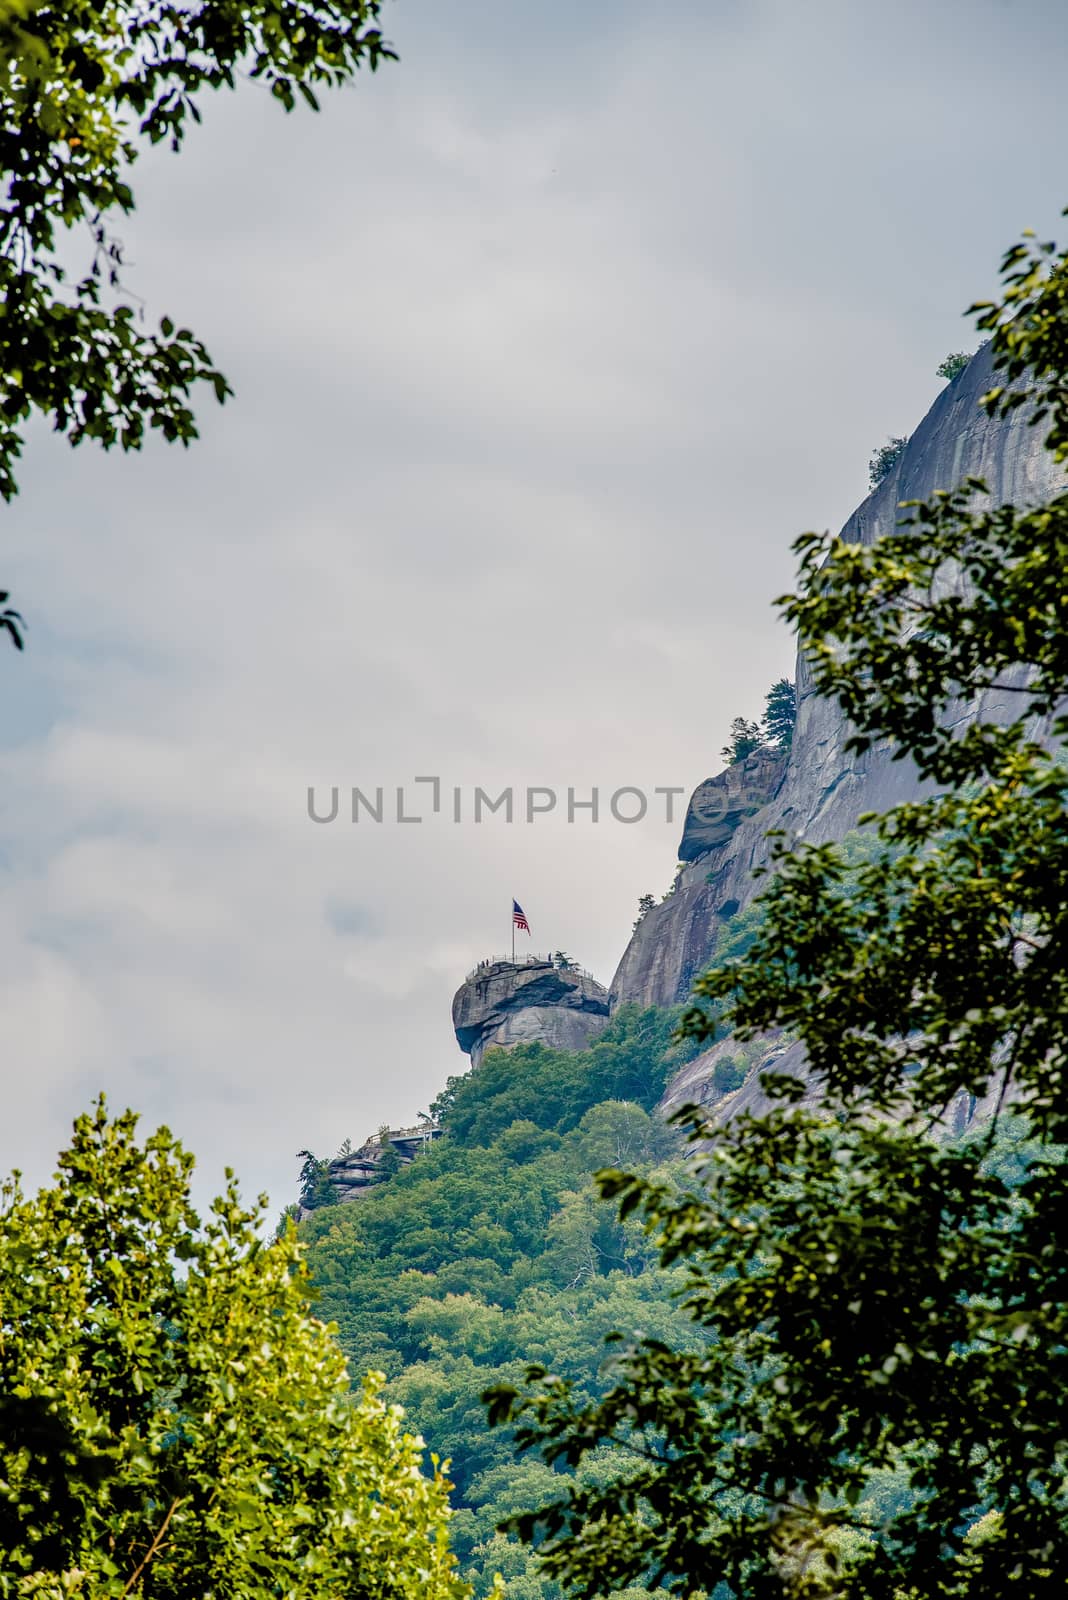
700	1083
721	804
507	1003
673	940
354	1172
823	791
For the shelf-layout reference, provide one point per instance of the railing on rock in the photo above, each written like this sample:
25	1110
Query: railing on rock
532	959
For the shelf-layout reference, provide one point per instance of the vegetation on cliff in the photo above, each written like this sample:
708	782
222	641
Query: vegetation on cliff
775	730
492	1250
884	459
953	365
878	1411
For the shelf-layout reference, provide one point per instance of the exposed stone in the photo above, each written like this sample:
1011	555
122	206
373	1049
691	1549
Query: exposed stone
824	791
695	1084
505	1003
719	805
353	1175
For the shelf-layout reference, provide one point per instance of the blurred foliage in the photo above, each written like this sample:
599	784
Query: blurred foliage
11	621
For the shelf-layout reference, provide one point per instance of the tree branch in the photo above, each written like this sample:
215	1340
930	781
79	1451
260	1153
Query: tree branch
154	1546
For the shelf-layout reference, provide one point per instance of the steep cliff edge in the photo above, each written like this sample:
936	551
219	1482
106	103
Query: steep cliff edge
537	1000
823	791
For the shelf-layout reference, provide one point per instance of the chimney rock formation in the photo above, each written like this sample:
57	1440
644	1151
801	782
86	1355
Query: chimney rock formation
505	1003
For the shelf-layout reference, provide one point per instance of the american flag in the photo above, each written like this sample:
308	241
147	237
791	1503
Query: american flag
519	917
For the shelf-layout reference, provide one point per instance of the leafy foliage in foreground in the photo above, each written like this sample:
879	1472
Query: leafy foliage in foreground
879	1412
11	621
84	87
173	1422
492	1249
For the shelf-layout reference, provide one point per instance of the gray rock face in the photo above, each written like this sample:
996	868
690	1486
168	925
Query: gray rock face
720	805
823	791
696	1085
356	1173
533	1001
674	939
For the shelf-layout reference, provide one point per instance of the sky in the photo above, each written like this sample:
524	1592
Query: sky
547	341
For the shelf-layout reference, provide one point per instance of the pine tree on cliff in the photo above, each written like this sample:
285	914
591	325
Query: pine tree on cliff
745	737
780	715
317	1188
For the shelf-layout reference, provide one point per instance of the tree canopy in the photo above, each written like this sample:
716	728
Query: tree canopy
745	737
953	365
884	459
491	1249
879	1412
173	1420
780	714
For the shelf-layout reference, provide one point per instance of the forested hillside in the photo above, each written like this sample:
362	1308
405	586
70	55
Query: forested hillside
492	1251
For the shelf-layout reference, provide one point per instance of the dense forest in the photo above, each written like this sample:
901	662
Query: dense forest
493	1250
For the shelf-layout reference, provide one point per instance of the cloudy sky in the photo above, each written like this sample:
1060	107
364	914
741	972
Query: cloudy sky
547	341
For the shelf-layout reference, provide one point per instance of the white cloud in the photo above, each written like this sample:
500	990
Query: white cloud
545	347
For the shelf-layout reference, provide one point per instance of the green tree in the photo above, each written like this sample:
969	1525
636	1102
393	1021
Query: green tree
646	902
389	1162
953	365
879	1413
173	1421
745	737
317	1188
780	714
728	1074
85	87
492	1250
884	460
288	1214
633	1059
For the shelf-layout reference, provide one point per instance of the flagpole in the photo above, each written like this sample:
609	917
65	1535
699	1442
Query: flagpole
513	932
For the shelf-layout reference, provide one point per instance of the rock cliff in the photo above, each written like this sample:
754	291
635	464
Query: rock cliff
821	793
507	1003
355	1172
